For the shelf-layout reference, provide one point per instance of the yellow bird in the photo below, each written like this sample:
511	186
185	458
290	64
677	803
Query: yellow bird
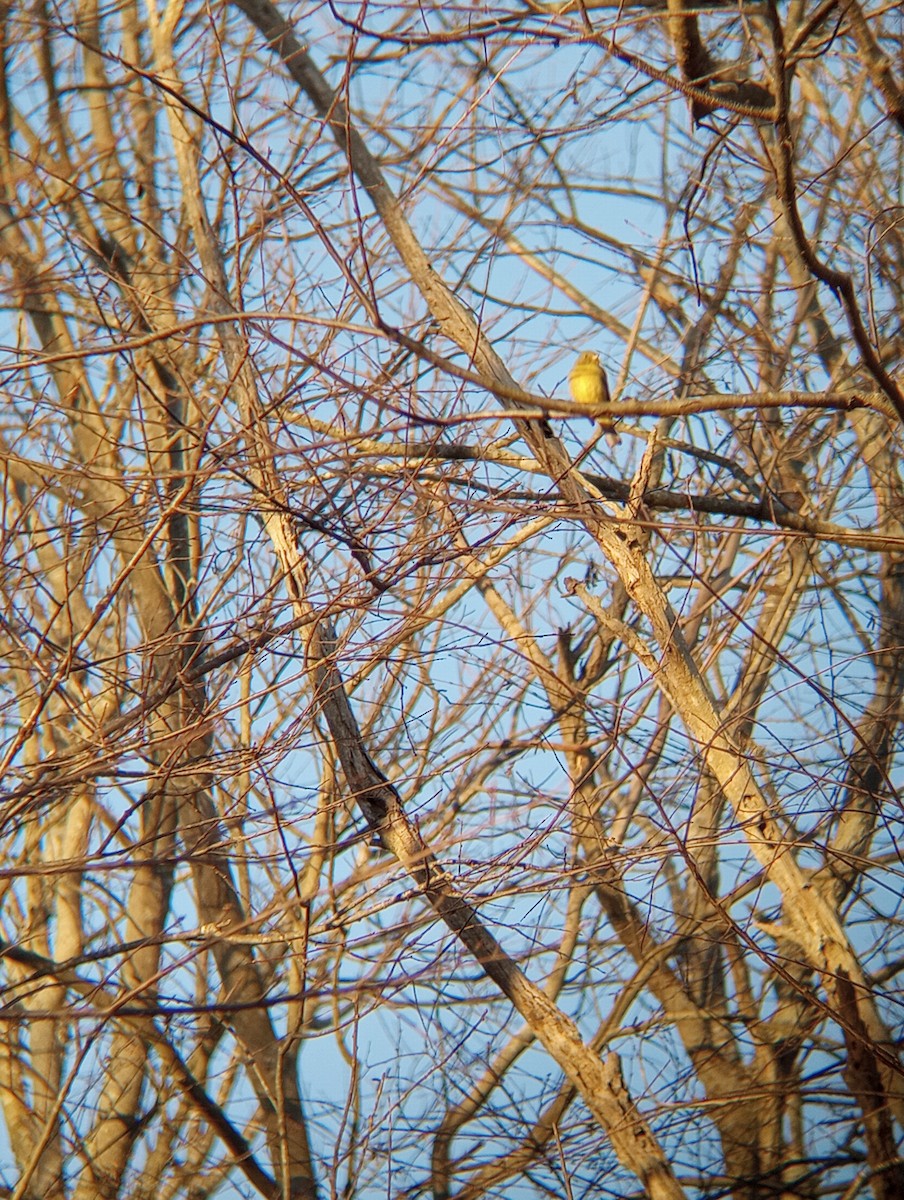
590	388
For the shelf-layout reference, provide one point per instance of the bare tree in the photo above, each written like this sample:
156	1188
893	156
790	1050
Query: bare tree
405	791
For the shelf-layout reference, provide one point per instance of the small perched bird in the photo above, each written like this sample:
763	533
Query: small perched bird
590	387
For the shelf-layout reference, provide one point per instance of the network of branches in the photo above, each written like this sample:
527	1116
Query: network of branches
417	781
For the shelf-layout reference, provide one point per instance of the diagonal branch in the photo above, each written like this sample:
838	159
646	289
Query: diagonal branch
600	1083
